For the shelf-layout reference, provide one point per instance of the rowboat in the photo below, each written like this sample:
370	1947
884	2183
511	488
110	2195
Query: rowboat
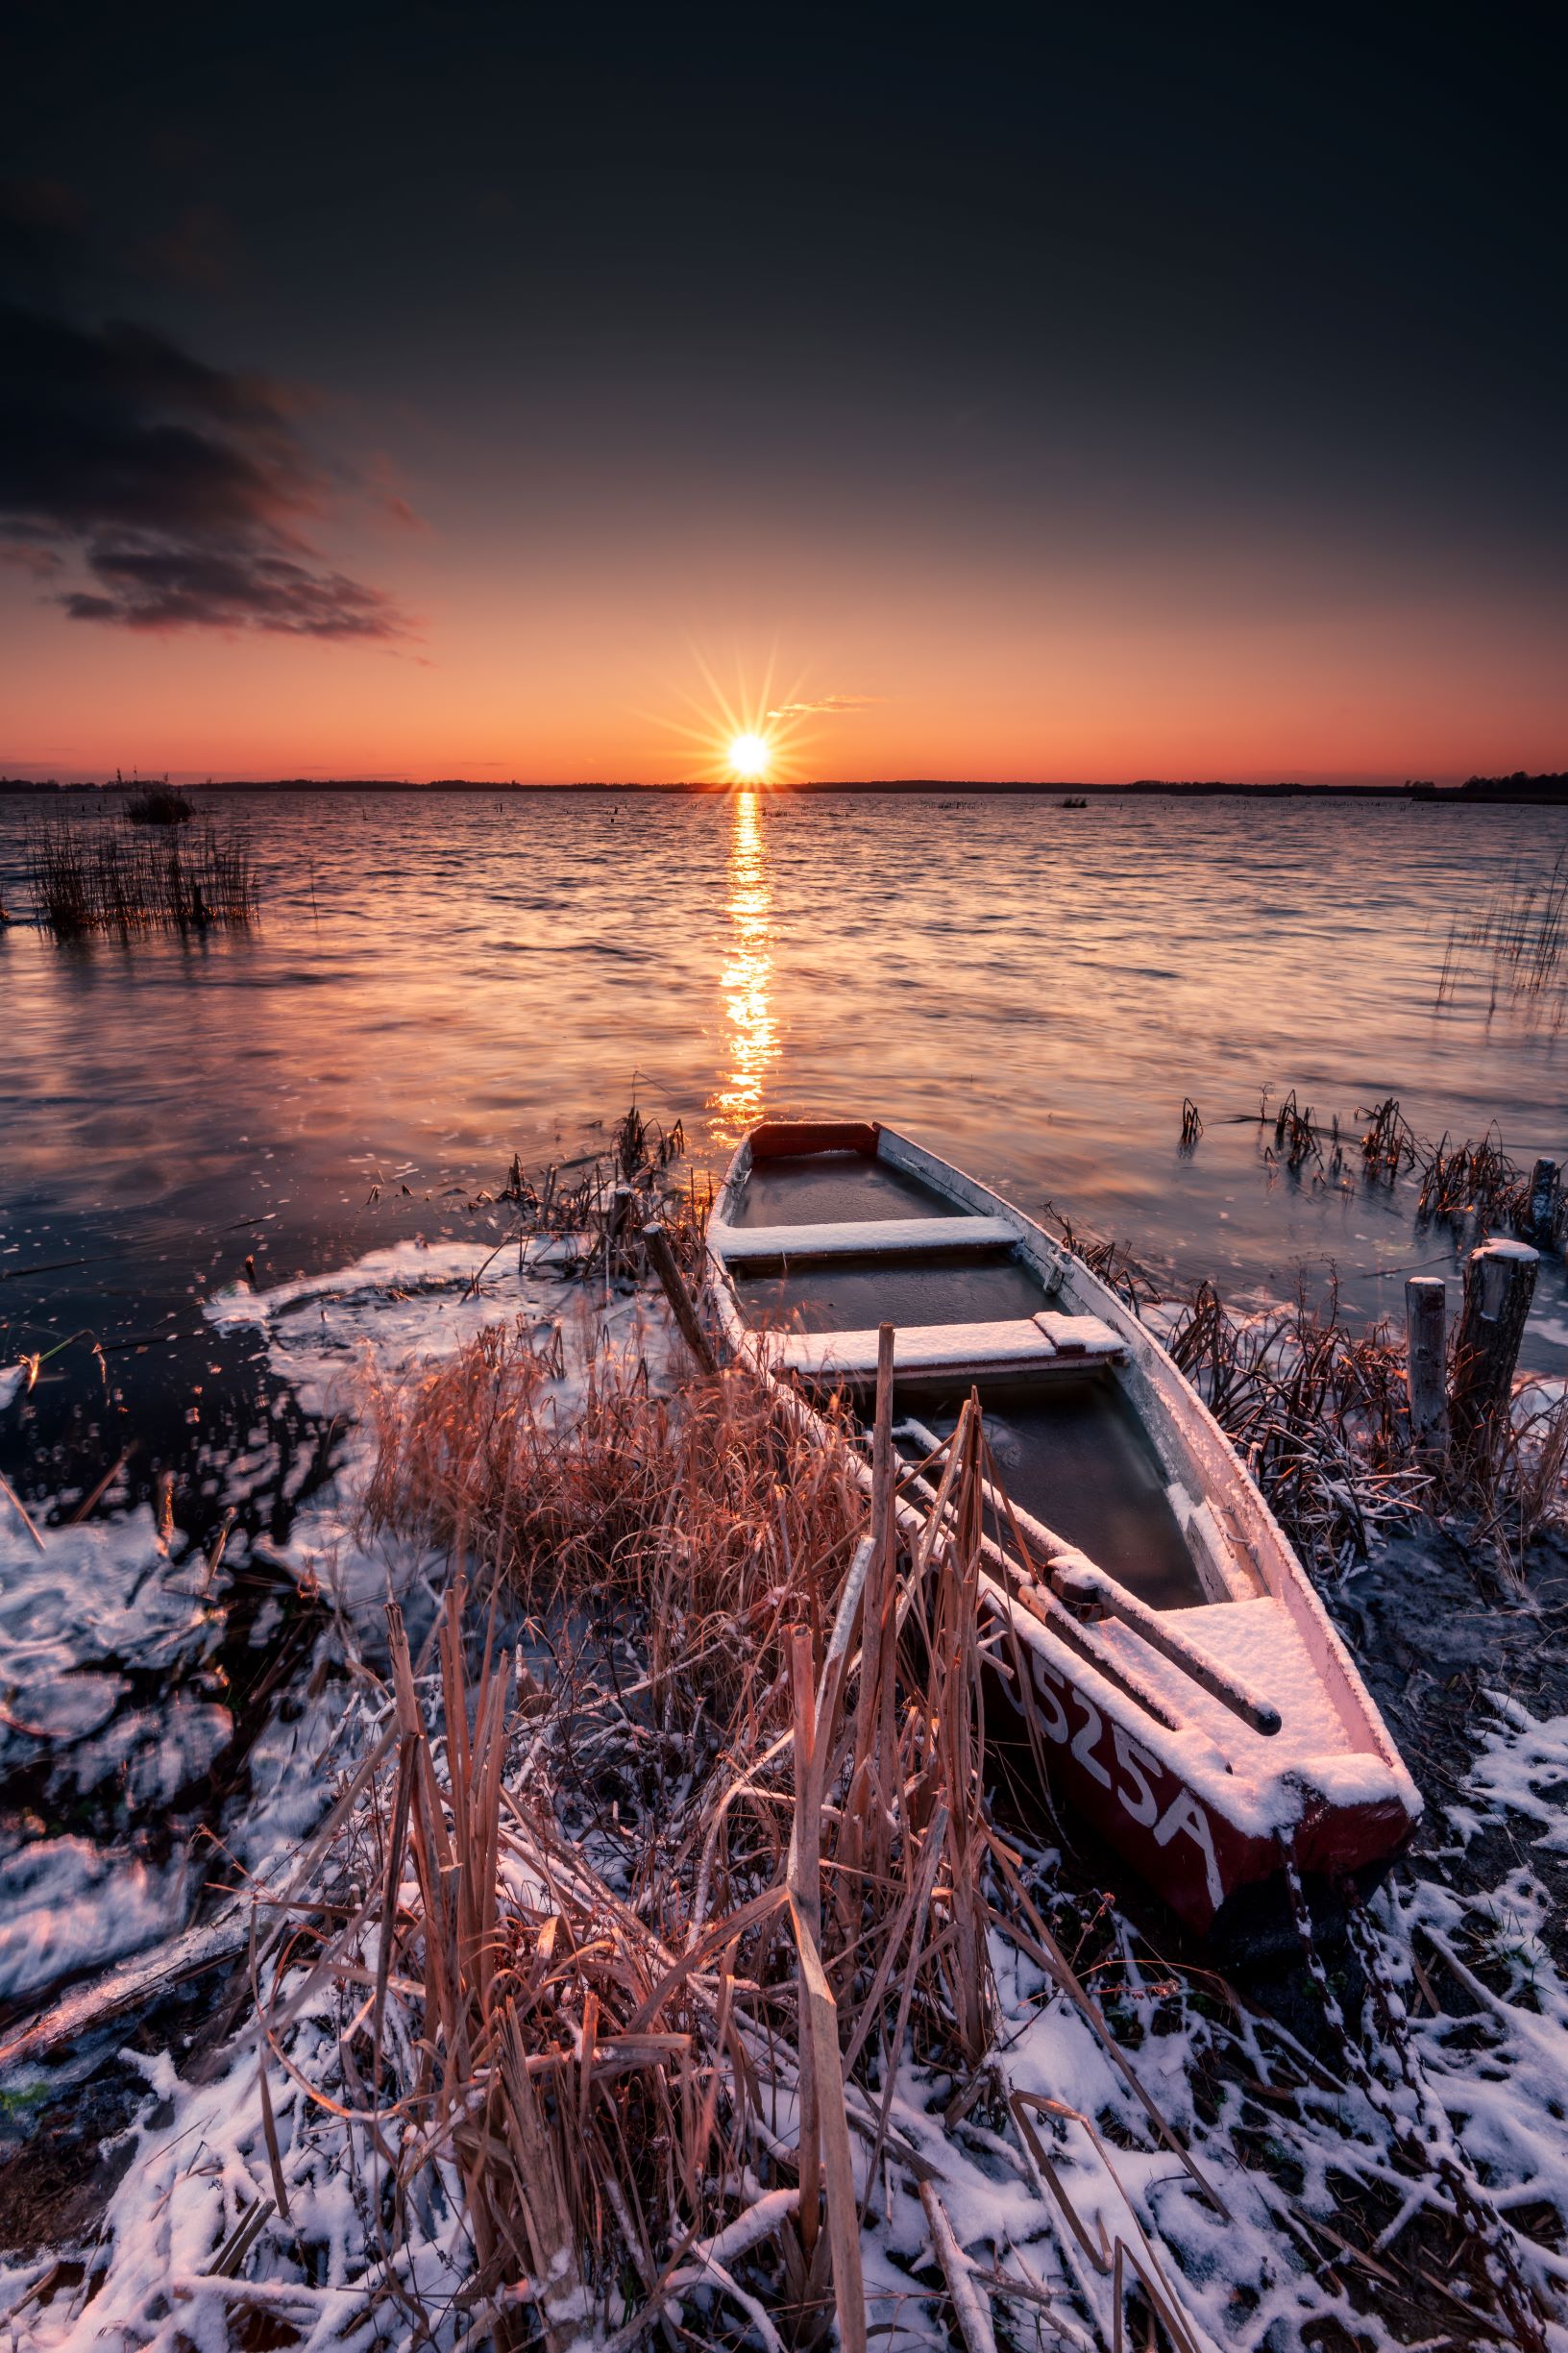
1175	1665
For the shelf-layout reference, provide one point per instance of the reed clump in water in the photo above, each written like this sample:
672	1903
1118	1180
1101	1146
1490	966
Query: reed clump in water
1517	942
1319	1412
86	878
159	805
1460	1180
600	1200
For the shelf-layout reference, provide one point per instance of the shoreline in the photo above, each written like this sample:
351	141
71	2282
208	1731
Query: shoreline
1549	792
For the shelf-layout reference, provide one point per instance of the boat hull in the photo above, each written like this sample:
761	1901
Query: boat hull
1205	1821
1222	1882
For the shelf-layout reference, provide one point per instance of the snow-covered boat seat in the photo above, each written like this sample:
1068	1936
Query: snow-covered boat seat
1080	1335
860	1238
939	1348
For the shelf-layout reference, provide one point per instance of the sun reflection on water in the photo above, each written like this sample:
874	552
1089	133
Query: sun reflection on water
751	1040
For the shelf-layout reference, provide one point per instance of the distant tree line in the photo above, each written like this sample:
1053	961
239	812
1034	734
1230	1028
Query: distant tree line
1517	787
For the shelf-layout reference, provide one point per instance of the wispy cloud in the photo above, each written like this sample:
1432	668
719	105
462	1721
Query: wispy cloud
186	490
825	706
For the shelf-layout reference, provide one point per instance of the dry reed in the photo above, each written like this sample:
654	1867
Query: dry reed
1319	1412
86	878
642	1946
1516	943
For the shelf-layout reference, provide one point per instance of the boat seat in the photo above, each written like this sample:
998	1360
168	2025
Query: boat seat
1016	1345
852	1239
1081	1335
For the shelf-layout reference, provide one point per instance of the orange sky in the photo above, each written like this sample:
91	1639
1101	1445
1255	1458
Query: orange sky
572	665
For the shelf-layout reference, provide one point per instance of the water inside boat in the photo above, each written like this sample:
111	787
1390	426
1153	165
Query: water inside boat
1074	1455
833	1189
856	1294
1070	1450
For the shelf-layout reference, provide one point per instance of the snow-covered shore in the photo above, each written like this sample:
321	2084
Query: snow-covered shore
215	2211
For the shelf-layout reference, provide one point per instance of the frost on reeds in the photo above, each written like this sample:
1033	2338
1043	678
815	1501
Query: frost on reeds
630	1957
1319	1412
101	877
664	1975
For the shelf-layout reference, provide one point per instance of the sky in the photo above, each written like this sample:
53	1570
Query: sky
958	392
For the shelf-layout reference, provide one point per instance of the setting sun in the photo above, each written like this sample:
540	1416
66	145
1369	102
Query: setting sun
749	756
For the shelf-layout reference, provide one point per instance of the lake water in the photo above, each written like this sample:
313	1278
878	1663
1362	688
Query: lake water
435	984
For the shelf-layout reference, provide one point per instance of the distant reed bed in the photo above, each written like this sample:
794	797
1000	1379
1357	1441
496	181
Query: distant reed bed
88	877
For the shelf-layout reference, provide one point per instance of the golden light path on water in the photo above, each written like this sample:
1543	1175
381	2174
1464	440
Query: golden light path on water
750	1038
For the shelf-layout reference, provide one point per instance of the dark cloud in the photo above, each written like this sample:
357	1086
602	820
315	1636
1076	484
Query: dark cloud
175	588
186	489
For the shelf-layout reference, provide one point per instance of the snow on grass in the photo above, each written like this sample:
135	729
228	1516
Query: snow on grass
1268	2272
1298	2154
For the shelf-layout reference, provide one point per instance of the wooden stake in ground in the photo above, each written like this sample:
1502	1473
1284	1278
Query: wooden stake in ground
683	1307
1545	1204
1499	1285
1426	1370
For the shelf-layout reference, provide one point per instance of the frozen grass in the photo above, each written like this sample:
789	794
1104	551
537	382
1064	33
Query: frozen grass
666	1976
662	1975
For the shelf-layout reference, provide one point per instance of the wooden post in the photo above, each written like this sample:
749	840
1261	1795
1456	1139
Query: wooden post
1545	1204
1426	1365
1499	1285
682	1305
620	1210
619	1223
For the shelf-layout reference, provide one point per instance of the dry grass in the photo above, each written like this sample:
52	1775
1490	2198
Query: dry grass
640	1923
1319	1412
634	1951
98	877
1459	1181
645	1942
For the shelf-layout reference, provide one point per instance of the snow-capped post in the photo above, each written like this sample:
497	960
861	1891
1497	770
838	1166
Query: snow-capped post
1499	1285
620	1224
1545	1204
1426	1363
682	1305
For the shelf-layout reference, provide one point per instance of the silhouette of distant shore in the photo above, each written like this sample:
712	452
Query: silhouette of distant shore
1548	791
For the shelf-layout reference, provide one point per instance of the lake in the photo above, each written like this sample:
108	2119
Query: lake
435	984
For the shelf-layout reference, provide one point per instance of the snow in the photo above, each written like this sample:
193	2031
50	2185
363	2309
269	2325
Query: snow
938	1347
851	1238
106	1597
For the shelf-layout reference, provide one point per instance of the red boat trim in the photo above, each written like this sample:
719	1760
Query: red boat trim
785	1139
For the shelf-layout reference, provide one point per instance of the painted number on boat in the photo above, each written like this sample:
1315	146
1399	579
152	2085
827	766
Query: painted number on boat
1139	1780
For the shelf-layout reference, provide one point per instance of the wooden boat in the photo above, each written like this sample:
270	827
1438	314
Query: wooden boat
1195	1703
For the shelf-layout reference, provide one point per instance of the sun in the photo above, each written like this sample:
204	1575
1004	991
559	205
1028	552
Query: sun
747	735
748	757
